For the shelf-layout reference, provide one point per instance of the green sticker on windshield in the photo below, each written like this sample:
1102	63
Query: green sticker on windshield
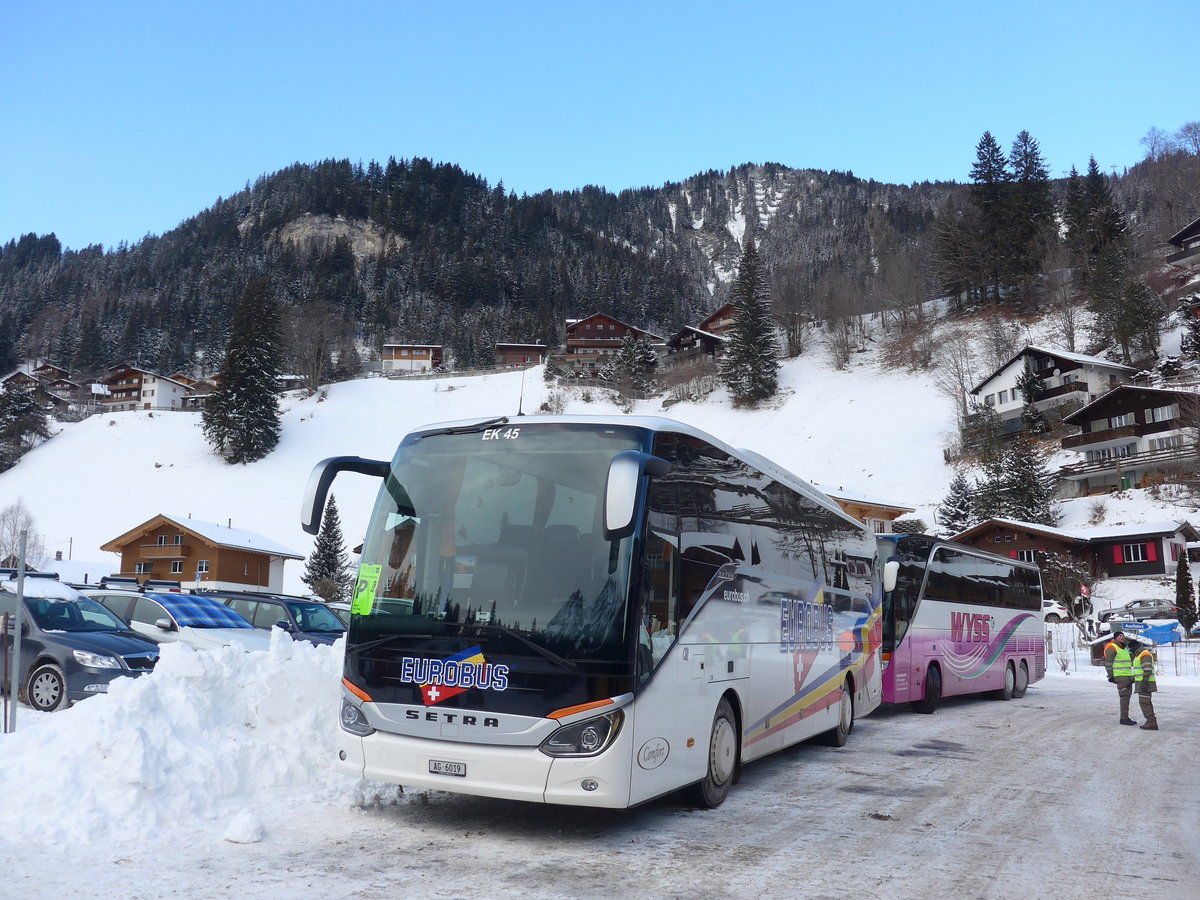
364	590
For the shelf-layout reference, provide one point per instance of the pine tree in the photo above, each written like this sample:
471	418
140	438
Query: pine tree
957	512
1032	389
990	191
750	365
242	419
1027	484
23	425
1030	214
327	571
1185	594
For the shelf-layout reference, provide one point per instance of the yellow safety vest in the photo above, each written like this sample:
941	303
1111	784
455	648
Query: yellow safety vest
1138	664
1122	663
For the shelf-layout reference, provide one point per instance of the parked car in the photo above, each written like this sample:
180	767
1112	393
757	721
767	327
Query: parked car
302	618
1054	612
341	609
1141	610
198	621
72	647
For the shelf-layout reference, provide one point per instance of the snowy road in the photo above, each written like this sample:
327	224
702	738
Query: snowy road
1035	798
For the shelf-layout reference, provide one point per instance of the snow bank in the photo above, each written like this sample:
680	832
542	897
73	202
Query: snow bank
207	736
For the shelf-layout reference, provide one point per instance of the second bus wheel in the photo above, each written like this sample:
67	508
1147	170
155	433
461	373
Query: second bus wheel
1010	684
933	692
1022	680
711	791
840	733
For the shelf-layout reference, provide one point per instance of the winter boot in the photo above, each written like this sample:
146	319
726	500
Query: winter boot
1128	721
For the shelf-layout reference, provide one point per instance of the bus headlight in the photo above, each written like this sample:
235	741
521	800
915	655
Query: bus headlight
354	721
587	738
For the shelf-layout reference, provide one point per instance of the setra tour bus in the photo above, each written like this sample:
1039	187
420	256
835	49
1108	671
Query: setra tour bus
597	611
957	621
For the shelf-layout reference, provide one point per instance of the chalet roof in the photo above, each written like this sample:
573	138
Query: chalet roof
523	346
1187	231
690	329
1065	355
574	323
112	371
856	496
1085	535
218	535
1160	395
723	310
422	346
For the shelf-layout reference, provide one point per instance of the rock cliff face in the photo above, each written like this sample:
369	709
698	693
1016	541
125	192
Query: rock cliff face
318	232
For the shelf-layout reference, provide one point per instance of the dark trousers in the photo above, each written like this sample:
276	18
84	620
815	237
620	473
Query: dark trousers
1124	692
1146	702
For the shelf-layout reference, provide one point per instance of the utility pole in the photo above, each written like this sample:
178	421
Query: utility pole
18	620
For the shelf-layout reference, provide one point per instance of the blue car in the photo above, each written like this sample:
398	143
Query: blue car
71	646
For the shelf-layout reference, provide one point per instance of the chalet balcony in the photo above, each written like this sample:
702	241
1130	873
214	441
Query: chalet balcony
1189	258
1116	434
165	551
1139	462
1074	387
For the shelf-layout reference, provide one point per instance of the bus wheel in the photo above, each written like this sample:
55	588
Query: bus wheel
1022	680
711	791
1010	684
933	692
839	734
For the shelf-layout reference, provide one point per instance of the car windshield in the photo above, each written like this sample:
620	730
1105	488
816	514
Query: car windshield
193	611
316	617
82	615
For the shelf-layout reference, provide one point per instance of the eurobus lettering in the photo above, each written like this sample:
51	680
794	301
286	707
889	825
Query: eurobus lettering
597	611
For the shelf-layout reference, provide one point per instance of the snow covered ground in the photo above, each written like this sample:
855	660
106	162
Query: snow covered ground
213	776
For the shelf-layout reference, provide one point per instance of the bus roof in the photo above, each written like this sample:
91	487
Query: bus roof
657	424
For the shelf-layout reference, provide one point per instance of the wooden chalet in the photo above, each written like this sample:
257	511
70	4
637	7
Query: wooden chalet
129	387
592	341
520	354
201	554
400	358
1187	239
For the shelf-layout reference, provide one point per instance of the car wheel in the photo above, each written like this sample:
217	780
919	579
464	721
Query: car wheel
711	791
1022	680
1053	618
840	733
46	689
1010	684
933	692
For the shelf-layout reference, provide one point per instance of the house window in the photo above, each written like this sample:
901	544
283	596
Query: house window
404	352
1070	377
1027	555
1119	421
1135	553
1008	538
161	540
202	567
990	400
997	539
177	567
143	568
1167	443
1003	397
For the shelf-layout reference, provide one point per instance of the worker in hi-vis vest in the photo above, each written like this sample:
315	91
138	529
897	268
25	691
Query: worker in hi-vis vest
1118	661
1143	676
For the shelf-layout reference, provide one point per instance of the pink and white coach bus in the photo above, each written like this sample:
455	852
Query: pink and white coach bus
596	611
957	621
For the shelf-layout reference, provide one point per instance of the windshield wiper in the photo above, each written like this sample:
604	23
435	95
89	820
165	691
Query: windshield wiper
549	654
467	429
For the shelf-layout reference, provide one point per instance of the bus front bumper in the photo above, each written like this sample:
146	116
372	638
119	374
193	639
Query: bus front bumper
508	773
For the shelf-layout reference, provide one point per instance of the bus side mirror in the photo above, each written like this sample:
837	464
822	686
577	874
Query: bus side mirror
891	571
322	477
620	490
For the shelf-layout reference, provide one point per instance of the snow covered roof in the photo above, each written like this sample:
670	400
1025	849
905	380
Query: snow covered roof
1079	358
856	496
218	535
1085	535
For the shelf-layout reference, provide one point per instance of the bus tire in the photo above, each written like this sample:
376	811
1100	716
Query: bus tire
1022	680
933	692
840	733
711	791
1010	684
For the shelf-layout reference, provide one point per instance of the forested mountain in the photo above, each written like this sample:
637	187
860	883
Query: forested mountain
410	251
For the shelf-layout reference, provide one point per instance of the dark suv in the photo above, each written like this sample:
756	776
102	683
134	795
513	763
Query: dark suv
302	618
71	646
1141	610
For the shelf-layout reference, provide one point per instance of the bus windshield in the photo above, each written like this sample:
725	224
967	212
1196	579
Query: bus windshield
495	537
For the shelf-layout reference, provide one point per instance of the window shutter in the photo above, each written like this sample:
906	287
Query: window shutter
1152	551
1012	553
1174	552
1118	555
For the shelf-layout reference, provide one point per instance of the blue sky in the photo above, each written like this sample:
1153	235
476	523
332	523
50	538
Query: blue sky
122	119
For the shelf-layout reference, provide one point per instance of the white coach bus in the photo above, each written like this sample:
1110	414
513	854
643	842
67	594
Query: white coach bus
597	611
